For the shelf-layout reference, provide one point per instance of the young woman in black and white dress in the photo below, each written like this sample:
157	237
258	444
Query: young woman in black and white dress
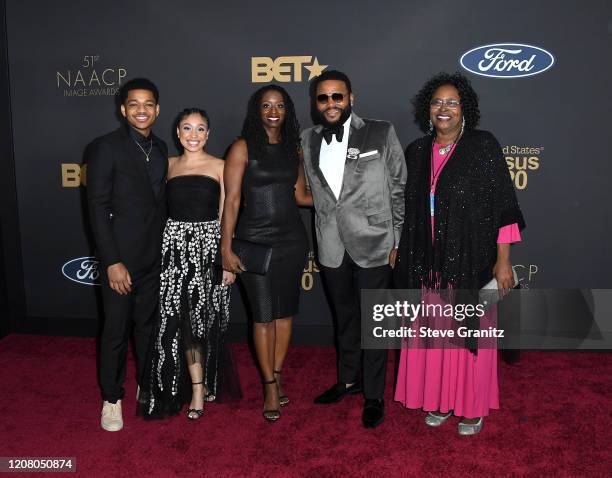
187	346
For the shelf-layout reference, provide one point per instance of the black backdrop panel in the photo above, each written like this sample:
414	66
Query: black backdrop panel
67	61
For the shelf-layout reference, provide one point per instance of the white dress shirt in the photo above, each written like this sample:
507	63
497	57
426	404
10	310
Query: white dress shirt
332	158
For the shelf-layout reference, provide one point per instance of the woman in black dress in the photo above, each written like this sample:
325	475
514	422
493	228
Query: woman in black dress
263	169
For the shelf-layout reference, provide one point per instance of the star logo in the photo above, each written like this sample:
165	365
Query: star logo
315	69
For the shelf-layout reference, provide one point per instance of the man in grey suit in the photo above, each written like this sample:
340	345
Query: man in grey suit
356	171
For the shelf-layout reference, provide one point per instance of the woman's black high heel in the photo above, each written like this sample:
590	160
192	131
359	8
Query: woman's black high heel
194	413
271	415
283	399
208	396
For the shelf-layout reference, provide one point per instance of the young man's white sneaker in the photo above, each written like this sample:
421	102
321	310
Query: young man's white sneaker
112	419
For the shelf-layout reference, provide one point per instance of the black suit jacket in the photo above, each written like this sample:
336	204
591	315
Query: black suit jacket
126	216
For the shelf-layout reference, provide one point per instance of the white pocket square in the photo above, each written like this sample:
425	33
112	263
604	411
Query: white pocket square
369	153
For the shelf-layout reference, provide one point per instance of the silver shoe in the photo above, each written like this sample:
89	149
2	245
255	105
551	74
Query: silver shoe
471	429
436	420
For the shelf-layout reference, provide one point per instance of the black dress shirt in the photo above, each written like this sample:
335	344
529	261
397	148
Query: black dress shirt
156	165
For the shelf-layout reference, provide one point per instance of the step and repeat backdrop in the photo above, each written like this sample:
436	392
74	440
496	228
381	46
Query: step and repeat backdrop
541	69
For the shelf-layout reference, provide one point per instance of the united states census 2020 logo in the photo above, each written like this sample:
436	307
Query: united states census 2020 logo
507	60
83	270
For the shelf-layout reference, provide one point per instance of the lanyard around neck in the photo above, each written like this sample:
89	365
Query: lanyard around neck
433	175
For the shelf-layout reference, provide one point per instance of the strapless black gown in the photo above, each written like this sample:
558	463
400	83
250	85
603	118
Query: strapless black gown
271	216
193	304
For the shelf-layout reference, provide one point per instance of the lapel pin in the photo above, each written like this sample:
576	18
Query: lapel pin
352	153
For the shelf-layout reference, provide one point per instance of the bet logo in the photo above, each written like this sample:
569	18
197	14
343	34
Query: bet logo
284	69
74	175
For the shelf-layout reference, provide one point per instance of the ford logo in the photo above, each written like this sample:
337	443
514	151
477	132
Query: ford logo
507	60
83	270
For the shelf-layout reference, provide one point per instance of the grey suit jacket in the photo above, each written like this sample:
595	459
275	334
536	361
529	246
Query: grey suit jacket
366	220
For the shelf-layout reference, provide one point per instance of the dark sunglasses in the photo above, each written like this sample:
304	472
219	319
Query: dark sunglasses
336	98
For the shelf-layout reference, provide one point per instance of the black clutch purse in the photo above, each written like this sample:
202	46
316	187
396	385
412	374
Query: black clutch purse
255	257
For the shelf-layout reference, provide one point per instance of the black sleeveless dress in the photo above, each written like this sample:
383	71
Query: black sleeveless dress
193	304
270	215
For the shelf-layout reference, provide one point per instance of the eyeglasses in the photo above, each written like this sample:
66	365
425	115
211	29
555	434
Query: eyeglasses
452	104
336	98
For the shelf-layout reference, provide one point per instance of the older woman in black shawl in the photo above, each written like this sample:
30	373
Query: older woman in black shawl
461	216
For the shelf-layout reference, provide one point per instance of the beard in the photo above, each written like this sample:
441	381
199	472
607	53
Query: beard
319	118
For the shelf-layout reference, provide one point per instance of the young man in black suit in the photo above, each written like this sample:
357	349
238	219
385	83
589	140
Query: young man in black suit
126	173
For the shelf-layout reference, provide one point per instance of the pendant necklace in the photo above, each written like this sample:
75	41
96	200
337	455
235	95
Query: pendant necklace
147	155
445	149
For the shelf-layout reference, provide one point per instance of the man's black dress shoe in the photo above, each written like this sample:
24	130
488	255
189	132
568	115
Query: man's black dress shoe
373	412
337	393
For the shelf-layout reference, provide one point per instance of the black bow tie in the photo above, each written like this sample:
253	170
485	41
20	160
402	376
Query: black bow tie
329	131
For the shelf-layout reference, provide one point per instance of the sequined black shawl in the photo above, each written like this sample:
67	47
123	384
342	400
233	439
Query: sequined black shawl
474	198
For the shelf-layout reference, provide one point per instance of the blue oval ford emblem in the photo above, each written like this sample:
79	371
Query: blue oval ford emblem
83	270
507	60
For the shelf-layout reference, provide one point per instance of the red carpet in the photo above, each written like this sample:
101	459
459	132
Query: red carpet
555	420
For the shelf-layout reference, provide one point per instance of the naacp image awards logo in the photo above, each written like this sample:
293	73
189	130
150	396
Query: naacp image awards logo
90	76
